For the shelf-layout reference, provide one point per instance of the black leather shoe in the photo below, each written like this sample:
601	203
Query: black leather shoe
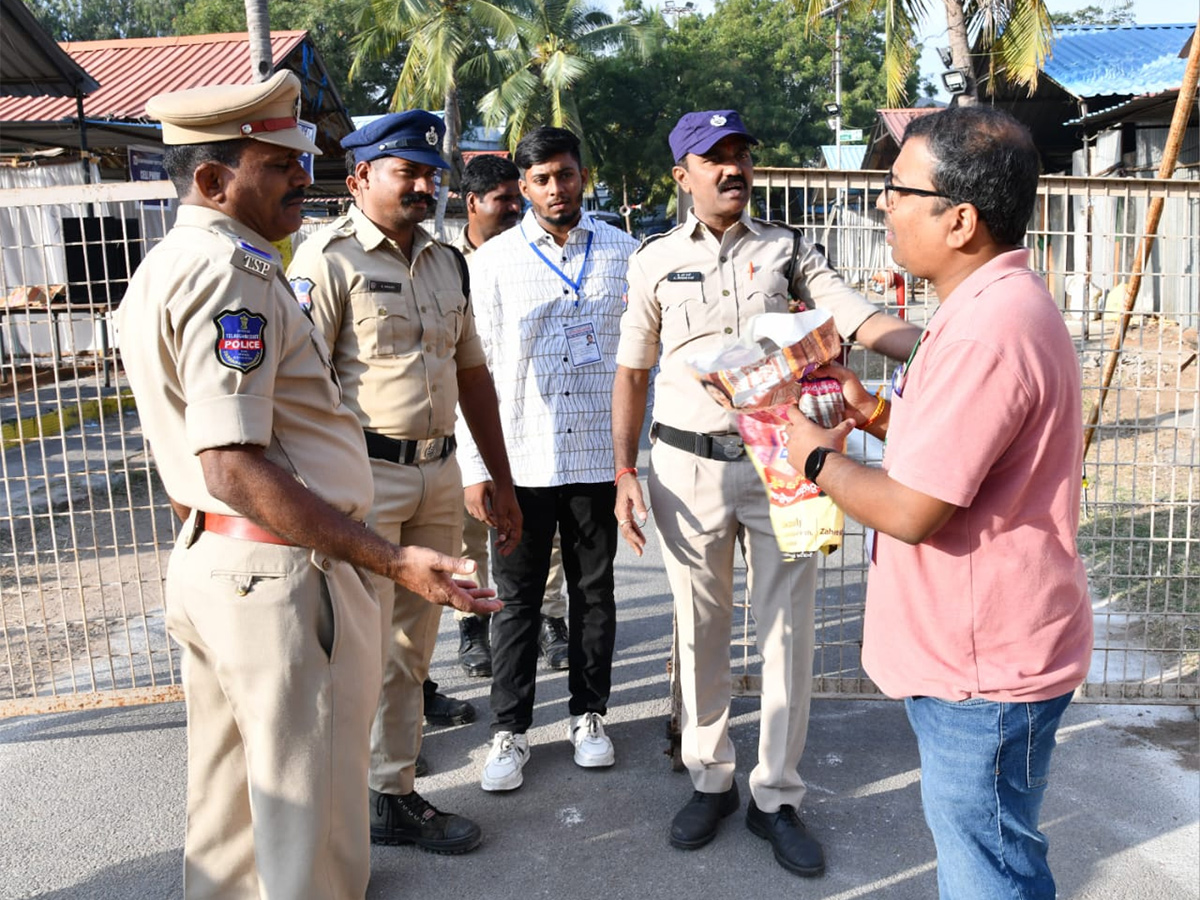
475	647
795	849
443	710
422	766
552	640
409	819
696	824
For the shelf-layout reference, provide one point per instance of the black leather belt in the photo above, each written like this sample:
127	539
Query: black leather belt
408	452
722	447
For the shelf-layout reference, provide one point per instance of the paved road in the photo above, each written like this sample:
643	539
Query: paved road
92	803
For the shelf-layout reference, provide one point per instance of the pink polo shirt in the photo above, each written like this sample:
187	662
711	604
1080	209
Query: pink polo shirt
988	417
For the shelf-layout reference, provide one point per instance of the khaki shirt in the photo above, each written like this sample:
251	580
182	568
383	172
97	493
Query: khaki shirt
462	245
218	353
695	294
399	333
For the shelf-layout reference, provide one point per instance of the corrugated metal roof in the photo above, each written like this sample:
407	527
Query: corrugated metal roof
31	63
134	70
1098	61
896	120
851	156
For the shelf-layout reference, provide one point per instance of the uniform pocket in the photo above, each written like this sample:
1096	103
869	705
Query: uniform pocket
452	305
684	307
383	324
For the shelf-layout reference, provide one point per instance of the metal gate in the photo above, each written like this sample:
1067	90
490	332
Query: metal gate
85	525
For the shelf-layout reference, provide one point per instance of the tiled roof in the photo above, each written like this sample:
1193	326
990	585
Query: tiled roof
1098	61
132	71
896	120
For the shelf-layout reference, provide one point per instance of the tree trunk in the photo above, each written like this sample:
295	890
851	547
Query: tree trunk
258	24
450	151
960	50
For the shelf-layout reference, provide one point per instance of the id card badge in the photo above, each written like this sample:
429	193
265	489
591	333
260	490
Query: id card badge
582	346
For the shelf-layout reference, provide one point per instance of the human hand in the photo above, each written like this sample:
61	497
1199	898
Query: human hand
631	512
803	436
430	574
508	520
477	498
860	403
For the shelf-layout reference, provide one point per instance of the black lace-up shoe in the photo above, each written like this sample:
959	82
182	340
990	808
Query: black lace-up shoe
552	640
475	647
696	824
443	710
795	849
409	819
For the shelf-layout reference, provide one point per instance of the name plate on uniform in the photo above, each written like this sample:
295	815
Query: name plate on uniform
385	287
685	276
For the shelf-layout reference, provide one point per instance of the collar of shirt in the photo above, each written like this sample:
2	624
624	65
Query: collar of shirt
370	236
1007	263
695	228
204	217
535	233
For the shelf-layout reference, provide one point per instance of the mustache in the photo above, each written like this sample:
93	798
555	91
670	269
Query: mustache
416	197
292	196
735	181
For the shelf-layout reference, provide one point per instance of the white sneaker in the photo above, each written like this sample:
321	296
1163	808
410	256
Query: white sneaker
593	748
502	769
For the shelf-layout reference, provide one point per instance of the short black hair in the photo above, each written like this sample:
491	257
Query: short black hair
546	143
985	157
485	173
182	160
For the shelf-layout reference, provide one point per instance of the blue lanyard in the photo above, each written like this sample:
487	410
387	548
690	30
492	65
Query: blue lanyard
587	256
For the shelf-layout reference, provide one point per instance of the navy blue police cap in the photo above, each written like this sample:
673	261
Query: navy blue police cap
698	132
415	134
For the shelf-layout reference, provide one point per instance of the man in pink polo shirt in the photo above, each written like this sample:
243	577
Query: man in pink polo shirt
977	603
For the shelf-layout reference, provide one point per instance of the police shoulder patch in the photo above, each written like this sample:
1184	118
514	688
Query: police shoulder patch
253	260
240	343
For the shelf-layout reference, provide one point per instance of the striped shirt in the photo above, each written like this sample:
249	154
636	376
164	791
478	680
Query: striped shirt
549	319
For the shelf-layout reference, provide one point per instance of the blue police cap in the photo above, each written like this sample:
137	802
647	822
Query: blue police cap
415	134
698	132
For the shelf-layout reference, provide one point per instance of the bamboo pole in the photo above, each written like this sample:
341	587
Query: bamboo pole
1179	121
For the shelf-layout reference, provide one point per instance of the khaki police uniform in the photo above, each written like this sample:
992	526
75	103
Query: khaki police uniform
475	544
399	333
280	660
695	294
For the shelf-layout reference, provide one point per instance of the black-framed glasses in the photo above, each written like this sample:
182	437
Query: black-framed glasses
889	189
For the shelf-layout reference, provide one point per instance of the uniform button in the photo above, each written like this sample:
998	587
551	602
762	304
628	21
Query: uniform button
566	393
242	592
565	359
566	290
724	259
429	348
434	389
326	565
728	330
724	293
383	310
568	431
424	309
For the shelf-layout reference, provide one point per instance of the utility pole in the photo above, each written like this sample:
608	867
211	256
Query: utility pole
835	10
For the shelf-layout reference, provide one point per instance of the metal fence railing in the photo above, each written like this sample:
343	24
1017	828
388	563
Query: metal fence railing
85	526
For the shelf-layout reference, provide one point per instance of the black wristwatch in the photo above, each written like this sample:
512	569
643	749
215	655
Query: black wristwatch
816	462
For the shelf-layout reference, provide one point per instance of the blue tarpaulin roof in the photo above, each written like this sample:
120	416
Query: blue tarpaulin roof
1102	60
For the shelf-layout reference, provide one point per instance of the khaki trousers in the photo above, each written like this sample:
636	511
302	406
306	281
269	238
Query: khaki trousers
702	510
476	546
414	505
280	674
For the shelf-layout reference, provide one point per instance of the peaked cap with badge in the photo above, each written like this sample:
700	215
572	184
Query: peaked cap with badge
698	132
266	111
415	135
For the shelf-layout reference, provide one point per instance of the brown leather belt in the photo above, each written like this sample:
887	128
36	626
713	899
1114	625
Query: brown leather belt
238	527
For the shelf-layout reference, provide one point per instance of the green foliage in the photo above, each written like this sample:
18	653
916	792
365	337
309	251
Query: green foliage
753	55
100	20
1115	13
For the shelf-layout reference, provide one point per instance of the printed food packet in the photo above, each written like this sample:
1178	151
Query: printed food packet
760	376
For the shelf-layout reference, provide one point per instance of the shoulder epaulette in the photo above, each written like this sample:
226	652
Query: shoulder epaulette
254	260
788	225
649	239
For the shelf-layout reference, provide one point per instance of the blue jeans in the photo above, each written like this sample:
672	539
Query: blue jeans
984	768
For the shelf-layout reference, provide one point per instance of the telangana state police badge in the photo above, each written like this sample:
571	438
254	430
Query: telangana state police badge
240	339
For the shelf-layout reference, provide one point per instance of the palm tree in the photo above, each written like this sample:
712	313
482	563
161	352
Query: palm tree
554	47
1012	36
262	62
444	38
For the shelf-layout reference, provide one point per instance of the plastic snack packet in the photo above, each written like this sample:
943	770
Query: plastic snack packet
760	377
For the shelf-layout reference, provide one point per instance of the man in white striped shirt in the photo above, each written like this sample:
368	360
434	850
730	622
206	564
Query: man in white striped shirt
548	298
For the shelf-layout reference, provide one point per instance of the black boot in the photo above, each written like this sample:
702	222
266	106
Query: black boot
443	710
409	819
475	647
552	640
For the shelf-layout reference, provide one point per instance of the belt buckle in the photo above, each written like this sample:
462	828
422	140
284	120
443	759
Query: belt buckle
428	450
731	445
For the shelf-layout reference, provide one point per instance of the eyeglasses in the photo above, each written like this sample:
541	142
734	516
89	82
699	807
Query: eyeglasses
889	189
